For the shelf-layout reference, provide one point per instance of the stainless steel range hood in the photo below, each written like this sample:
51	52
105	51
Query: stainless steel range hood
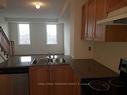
116	17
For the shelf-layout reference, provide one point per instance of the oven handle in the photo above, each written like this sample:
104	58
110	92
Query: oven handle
84	84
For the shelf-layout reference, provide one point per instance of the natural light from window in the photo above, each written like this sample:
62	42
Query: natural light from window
25	59
51	34
24	34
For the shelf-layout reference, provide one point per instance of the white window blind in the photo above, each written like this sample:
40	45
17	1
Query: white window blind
24	34
51	34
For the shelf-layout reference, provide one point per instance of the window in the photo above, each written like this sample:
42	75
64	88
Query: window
24	34
51	34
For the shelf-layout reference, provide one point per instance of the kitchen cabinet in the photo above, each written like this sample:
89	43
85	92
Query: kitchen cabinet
90	20
94	11
101	9
112	33
39	79
84	32
108	33
65	80
5	85
115	4
53	80
101	13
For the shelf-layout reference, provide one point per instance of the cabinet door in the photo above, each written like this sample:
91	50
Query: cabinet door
65	82
84	32
66	90
39	80
116	4
101	13
6	87
116	33
91	19
99	33
101	9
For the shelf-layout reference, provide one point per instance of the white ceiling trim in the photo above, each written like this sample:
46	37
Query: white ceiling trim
39	20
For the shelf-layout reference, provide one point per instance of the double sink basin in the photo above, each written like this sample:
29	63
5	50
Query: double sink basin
50	60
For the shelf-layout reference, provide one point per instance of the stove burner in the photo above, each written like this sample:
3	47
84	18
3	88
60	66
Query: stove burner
118	83
99	85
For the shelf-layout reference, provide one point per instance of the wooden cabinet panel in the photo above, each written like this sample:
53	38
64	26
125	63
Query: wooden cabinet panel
116	33
101	9
112	33
99	33
66	90
62	74
95	10
91	19
88	20
5	85
101	13
53	80
65	81
84	32
39	78
115	4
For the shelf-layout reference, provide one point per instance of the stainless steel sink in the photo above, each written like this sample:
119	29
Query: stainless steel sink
48	61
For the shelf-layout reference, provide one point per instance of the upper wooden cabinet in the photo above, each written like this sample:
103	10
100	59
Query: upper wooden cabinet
91	22
88	20
115	4
111	33
84	21
95	10
101	13
101	9
116	33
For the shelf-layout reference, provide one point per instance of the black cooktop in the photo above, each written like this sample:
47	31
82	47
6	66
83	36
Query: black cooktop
103	86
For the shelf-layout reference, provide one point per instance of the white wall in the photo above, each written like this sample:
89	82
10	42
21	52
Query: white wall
38	40
71	17
79	48
109	54
66	20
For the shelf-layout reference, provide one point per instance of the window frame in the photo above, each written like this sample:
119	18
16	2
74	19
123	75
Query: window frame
47	35
19	35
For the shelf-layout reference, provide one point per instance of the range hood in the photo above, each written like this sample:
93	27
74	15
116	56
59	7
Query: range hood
116	17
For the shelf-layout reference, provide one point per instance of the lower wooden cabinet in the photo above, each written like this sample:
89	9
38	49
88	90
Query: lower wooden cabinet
38	77
53	80
6	85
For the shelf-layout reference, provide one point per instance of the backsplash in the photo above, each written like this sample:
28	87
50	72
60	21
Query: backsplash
109	54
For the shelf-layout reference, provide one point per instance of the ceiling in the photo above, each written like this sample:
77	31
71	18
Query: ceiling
24	9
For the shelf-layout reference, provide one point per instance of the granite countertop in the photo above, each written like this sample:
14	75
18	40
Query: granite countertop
28	60
84	68
89	68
